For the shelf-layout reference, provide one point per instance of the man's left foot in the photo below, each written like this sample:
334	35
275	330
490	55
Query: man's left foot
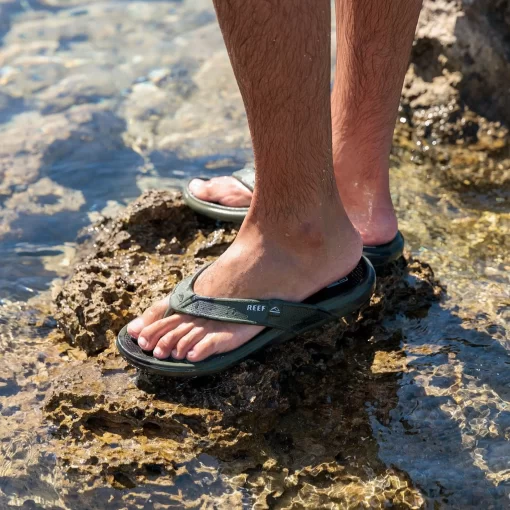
368	204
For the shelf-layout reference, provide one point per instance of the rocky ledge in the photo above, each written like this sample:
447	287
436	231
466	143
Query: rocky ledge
290	425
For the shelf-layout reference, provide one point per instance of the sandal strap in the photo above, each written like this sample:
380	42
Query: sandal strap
273	313
246	176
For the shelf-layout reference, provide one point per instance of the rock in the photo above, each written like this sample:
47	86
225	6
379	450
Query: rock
456	93
147	430
463	44
136	91
91	87
136	258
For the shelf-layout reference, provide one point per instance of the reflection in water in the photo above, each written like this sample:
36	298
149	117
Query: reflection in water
104	100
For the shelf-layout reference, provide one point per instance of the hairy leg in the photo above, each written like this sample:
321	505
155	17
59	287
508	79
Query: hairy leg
280	53
374	39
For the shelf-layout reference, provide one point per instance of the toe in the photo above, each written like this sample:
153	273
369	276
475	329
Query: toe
203	349
188	341
198	189
150	335
164	351
151	315
167	342
224	338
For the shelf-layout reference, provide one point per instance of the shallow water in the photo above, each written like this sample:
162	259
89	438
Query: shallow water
103	100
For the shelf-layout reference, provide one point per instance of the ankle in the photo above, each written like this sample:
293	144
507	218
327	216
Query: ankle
363	184
316	237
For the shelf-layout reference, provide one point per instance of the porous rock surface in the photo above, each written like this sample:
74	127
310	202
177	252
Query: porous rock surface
277	426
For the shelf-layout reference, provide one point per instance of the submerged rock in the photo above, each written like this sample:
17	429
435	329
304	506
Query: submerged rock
277	427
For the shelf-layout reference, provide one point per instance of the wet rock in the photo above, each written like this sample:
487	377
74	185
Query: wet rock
136	258
26	361
133	91
456	93
90	87
278	425
97	51
45	197
464	45
225	133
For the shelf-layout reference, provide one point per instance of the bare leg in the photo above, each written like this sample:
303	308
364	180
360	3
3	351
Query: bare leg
374	39
280	53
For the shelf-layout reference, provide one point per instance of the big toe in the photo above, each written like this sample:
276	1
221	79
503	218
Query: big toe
199	189
151	315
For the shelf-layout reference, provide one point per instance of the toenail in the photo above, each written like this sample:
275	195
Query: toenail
174	353
136	325
191	354
143	343
158	352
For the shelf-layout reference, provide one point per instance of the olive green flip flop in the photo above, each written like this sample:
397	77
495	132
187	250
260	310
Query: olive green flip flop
283	320
383	254
379	255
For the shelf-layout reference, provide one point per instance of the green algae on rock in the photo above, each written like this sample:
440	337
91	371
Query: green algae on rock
276	428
